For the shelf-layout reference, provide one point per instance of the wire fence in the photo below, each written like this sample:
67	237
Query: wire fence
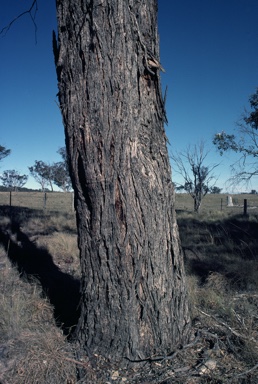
64	202
213	203
50	201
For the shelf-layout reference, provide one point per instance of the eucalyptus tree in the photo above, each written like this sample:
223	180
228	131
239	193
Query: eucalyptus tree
244	142
42	173
133	288
60	176
4	152
134	295
13	180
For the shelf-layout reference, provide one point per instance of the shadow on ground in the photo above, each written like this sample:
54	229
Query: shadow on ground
228	246
62	290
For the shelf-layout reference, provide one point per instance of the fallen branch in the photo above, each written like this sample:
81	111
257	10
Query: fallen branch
243	373
246	372
226	326
152	359
75	361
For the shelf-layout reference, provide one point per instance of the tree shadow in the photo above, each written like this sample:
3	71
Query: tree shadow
228	246
62	290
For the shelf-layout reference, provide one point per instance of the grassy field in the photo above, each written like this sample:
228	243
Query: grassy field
39	295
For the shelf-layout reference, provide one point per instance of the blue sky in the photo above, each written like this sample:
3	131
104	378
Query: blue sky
208	49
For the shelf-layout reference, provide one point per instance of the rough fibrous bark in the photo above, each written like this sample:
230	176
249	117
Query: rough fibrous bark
133	285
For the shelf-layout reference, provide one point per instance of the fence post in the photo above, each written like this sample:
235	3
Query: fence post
45	200
245	207
10	199
72	201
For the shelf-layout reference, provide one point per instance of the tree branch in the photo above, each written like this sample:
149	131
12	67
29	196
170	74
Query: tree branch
33	7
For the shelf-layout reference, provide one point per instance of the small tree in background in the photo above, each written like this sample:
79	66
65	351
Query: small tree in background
198	178
61	176
42	173
13	180
244	142
50	174
215	190
4	152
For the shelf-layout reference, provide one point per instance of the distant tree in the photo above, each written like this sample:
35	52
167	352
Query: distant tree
63	153
253	192
60	176
244	142
42	173
13	180
198	178
4	152
49	174
215	190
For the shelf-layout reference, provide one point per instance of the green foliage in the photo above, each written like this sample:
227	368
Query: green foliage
11	179
225	142
49	174
42	173
60	172
244	142
215	190
4	152
252	118
61	177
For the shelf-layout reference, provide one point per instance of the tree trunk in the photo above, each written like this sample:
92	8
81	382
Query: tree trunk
197	202
134	299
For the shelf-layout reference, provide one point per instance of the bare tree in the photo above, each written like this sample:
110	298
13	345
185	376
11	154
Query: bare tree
134	295
198	177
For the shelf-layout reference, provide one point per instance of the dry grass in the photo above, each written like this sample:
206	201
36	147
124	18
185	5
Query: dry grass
222	274
64	249
32	348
